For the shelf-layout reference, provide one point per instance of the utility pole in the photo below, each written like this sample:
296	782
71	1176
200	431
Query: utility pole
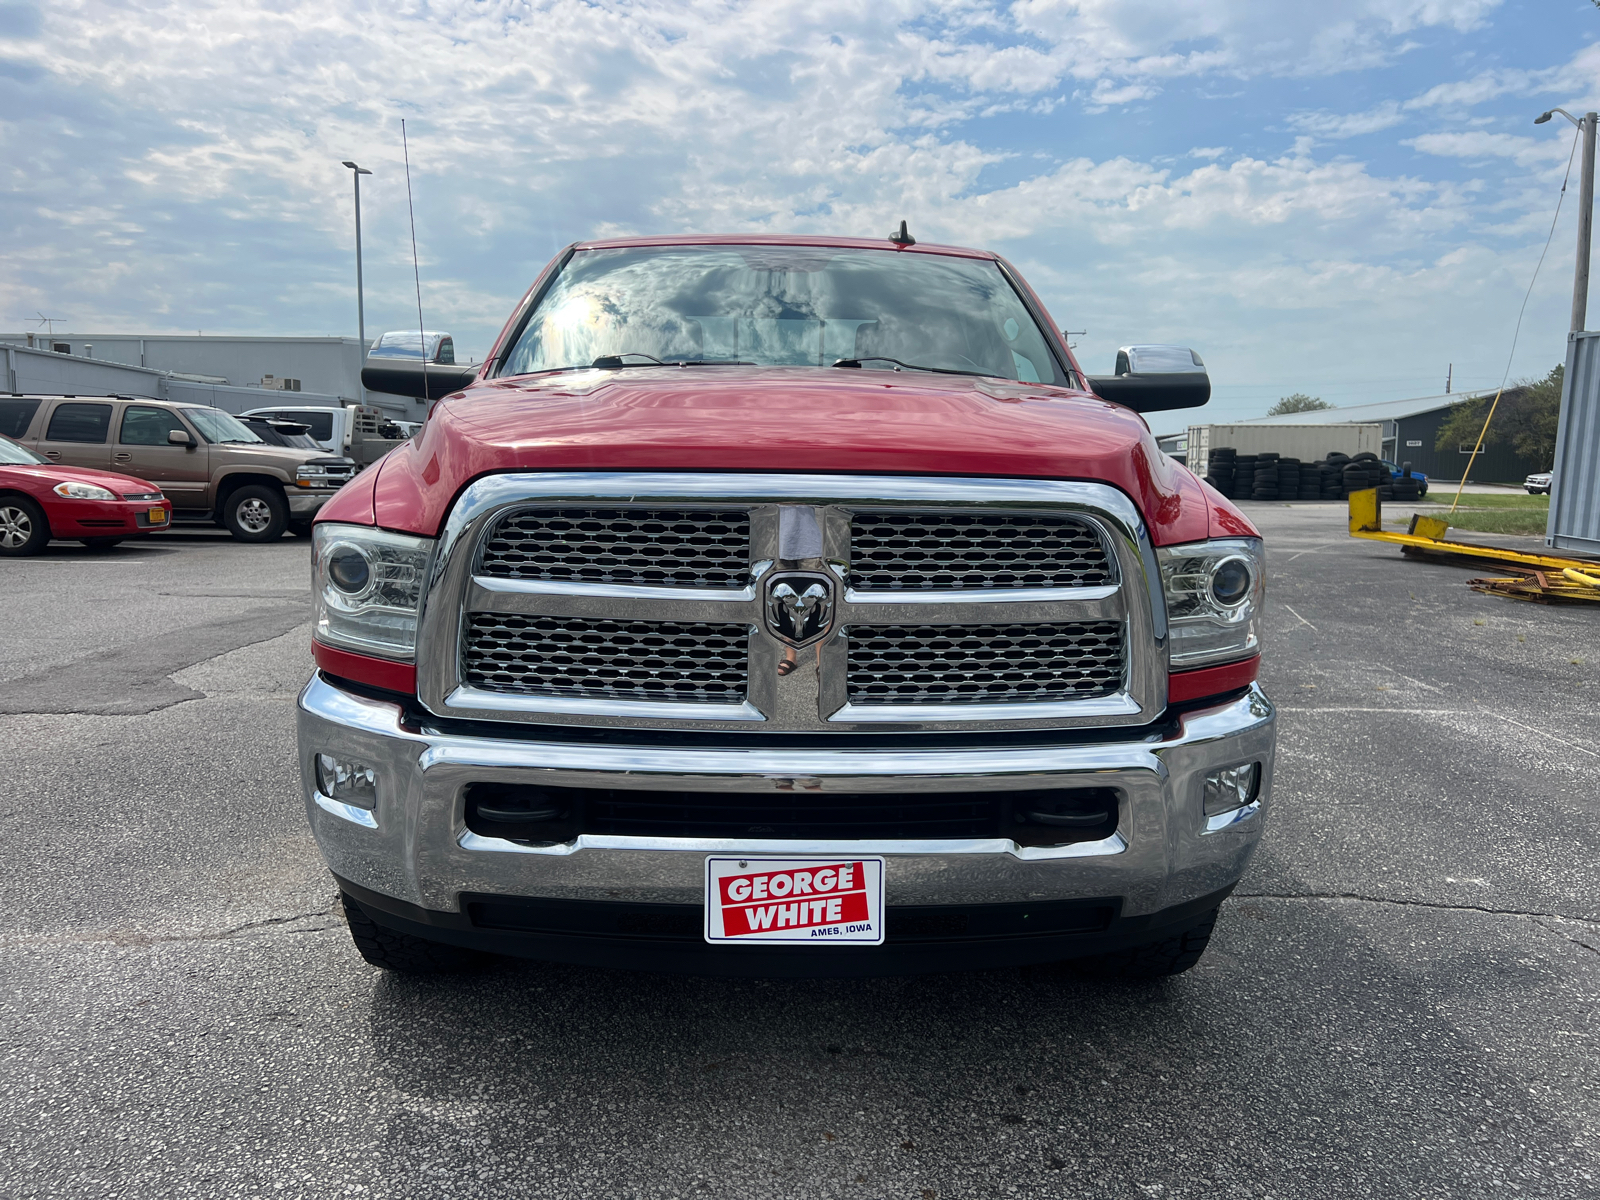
1580	278
361	304
1449	375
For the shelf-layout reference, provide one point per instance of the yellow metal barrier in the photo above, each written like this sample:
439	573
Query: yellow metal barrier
1426	539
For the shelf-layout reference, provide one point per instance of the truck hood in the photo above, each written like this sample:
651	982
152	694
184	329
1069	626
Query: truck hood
786	420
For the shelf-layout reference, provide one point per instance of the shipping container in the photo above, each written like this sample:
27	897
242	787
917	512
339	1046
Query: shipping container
1575	487
1308	443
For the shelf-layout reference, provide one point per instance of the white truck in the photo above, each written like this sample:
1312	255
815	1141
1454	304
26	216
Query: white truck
359	431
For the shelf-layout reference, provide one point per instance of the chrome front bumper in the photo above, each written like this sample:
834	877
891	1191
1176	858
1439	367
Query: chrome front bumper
304	502
415	848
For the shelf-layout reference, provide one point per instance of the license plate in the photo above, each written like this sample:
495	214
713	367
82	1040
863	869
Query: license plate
158	516
812	901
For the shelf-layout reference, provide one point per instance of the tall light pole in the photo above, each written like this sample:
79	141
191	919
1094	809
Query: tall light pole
1580	279
361	303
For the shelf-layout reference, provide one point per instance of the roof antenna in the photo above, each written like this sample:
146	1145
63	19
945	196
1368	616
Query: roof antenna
416	272
903	238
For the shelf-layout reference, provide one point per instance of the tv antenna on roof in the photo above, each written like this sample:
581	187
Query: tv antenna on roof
49	323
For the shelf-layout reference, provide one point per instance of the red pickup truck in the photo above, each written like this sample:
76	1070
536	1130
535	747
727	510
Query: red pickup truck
786	606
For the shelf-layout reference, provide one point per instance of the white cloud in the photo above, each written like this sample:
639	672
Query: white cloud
1479	144
1347	125
186	158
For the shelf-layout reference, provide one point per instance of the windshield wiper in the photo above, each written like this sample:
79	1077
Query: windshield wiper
898	365
611	362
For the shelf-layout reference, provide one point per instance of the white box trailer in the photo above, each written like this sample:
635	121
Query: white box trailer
1307	442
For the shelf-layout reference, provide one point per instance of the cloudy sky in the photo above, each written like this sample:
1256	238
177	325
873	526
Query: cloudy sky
1339	198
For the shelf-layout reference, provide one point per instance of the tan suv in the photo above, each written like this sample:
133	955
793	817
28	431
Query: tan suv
210	465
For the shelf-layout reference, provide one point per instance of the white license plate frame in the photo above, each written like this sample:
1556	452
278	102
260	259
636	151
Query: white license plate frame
749	914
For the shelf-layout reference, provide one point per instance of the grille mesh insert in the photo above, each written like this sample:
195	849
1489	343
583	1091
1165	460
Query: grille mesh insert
984	664
899	551
608	660
664	547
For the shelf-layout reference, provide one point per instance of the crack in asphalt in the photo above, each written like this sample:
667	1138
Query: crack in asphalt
1565	937
1473	908
120	938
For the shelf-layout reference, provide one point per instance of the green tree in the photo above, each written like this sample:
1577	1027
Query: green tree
1526	420
1299	402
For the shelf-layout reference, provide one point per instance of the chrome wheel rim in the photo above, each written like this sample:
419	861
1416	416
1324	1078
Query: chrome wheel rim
253	515
15	528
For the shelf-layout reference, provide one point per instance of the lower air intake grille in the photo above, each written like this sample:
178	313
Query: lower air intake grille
653	547
609	660
898	551
984	664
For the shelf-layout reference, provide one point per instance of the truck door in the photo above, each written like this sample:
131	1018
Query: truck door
183	473
76	434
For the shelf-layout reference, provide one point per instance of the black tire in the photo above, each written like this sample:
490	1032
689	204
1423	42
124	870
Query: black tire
1156	960
23	527
391	950
100	544
256	513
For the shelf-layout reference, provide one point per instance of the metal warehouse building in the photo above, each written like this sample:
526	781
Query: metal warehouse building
233	373
1410	430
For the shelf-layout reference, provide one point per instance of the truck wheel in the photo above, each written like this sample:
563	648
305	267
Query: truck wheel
256	513
1157	960
395	951
23	528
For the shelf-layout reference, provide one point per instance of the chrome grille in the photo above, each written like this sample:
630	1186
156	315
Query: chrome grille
654	600
900	551
666	547
983	664
610	660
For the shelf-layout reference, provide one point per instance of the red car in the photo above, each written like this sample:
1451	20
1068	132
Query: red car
40	500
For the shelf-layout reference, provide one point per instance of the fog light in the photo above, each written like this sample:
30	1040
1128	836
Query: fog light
1232	788
347	782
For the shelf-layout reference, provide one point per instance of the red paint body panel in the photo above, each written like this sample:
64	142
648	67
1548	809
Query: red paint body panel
353	502
106	518
1212	681
781	419
363	668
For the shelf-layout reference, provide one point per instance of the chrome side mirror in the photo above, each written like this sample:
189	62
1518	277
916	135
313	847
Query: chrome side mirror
179	437
1155	378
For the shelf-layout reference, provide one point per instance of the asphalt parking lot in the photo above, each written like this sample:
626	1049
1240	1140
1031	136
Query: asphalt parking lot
1401	1001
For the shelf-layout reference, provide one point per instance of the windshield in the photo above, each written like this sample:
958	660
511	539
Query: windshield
789	306
217	426
17	456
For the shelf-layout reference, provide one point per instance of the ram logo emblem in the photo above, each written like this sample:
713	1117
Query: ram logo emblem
799	607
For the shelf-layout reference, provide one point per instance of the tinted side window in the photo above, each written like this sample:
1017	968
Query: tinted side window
144	426
321	423
79	423
16	415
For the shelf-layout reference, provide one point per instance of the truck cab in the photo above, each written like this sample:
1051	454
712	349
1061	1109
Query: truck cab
787	606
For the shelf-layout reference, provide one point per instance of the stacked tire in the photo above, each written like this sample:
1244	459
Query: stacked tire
1330	475
1365	471
1219	469
1310	482
1244	476
1266	476
1407	488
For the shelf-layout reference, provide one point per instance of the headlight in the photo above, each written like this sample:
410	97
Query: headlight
1214	595
368	586
83	491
